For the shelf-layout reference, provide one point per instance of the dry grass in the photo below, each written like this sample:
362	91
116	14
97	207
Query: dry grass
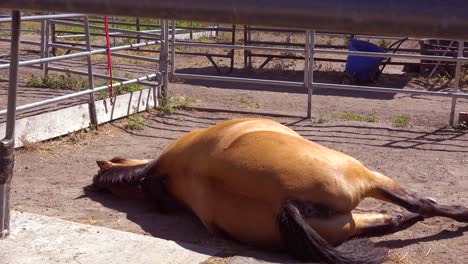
399	259
216	260
77	140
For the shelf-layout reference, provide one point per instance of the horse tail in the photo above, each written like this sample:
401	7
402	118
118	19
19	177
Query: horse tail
305	244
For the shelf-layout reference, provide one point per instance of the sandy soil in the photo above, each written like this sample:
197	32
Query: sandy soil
49	178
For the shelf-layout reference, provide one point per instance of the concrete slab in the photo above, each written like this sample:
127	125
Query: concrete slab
40	239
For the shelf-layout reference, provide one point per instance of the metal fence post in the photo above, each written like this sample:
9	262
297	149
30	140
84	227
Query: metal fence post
92	103
173	51
456	82
163	60
53	32
46	47
310	86
43	48
7	145
306	65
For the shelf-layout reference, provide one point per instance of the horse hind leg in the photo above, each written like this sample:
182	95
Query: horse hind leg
387	190
309	232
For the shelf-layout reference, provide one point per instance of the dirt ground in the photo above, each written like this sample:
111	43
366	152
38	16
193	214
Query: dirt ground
49	178
424	155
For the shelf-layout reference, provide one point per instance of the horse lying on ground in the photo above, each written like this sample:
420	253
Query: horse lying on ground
262	184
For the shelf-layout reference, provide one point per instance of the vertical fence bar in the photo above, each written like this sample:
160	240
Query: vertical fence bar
92	100
173	51
191	30
7	145
43	48
306	65
46	46
310	88
113	25
53	32
137	22
456	82
163	59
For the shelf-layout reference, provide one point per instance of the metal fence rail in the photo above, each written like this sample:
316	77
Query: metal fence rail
310	52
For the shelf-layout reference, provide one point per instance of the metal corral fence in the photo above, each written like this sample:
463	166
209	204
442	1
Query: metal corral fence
435	20
309	52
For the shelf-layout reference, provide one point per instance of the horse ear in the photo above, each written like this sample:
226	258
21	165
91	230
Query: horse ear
103	164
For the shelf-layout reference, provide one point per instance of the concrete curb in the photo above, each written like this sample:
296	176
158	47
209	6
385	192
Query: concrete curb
41	239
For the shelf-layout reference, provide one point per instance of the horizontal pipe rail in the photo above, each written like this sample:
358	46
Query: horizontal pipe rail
328	51
319	85
81	93
111	29
97	75
417	18
128	56
42	17
237	79
80	54
239	47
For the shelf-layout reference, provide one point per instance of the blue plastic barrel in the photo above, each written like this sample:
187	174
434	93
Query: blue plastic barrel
363	68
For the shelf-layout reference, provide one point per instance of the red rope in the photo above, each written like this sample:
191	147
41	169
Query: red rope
109	57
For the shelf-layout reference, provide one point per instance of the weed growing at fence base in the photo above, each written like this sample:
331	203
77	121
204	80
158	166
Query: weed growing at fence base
59	81
135	122
175	102
402	120
348	116
247	103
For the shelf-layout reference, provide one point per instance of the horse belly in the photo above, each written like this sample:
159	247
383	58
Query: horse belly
247	220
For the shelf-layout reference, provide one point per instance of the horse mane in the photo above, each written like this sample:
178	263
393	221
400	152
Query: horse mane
123	175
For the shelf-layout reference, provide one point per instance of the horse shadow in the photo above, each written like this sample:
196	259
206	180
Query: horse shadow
182	227
442	235
185	229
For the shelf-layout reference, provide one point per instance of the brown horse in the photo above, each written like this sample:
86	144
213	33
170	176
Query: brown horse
261	183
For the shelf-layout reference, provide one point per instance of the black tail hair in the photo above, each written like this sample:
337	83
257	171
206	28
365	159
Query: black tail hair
305	244
123	175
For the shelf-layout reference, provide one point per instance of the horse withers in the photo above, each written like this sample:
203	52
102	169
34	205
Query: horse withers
262	184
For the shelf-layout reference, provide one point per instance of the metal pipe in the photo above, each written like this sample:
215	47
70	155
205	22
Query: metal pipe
80	54
7	145
173	45
239	47
310	86
163	60
456	82
319	85
241	80
42	17
92	105
328	51
390	55
32	43
46	48
80	93
112	29
306	68
116	54
43	44
95	75
13	75
387	90
417	18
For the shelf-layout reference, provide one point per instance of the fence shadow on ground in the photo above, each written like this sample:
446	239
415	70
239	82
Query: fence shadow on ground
444	139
